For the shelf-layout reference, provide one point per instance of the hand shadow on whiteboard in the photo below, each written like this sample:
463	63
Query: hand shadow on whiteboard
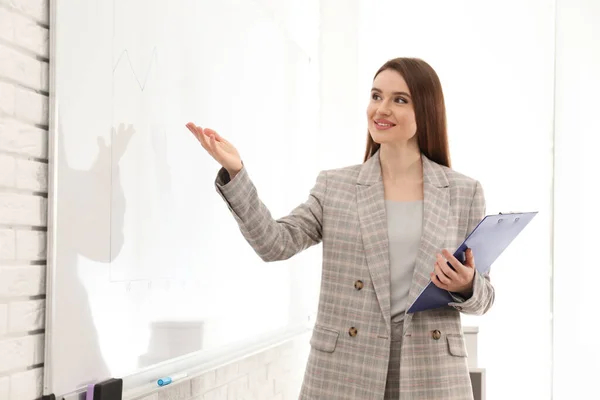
86	244
83	253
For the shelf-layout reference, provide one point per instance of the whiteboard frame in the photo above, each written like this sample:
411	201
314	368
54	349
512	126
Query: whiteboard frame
141	382
52	177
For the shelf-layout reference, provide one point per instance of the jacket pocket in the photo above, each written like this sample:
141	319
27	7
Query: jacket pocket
456	345
324	339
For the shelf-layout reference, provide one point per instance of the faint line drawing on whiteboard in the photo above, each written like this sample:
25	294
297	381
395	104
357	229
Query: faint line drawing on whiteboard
144	171
125	55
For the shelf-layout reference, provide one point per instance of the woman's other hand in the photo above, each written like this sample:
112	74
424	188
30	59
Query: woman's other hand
459	278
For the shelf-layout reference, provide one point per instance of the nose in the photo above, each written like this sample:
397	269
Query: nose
383	109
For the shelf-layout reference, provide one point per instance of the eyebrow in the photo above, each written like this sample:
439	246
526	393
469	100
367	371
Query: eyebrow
395	93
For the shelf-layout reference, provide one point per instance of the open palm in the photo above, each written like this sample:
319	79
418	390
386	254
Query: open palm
219	148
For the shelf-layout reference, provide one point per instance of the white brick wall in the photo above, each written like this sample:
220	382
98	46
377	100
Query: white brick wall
273	375
23	188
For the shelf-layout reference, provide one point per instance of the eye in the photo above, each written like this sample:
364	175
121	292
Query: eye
401	100
375	96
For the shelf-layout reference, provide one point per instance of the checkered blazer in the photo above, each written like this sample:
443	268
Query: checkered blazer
350	344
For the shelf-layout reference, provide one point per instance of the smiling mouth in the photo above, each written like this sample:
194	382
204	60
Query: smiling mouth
384	125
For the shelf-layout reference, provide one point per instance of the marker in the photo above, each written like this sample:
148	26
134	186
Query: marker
89	395
170	379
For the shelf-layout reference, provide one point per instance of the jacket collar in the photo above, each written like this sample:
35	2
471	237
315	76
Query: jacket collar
370	172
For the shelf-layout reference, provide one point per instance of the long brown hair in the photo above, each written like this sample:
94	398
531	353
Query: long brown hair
430	110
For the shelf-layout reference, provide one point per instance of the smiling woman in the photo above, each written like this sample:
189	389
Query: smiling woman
382	223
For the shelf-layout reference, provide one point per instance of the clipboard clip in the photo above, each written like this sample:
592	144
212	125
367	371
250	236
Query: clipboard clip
509	213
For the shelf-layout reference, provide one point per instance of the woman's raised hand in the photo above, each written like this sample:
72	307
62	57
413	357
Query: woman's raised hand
220	149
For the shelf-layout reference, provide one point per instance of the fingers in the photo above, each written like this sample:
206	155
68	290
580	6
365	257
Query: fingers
443	266
442	273
457	265
193	128
190	126
212	144
212	132
204	135
198	132
470	259
437	277
453	276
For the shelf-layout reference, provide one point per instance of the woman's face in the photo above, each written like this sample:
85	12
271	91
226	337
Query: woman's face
390	113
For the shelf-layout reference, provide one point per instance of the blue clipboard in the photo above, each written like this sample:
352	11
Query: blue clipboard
489	239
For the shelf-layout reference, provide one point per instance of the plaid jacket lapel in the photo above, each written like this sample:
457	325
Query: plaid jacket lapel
373	223
373	226
436	205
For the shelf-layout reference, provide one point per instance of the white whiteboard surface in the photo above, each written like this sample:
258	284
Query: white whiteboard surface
147	270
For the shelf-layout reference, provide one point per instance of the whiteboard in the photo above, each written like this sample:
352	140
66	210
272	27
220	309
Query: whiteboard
147	271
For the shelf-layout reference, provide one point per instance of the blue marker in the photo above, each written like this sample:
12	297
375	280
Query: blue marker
170	379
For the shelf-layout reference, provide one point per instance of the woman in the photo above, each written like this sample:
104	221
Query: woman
385	225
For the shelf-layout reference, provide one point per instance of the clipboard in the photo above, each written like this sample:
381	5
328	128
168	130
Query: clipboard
489	239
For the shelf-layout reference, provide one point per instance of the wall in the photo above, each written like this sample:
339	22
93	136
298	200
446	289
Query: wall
23	187
343	122
576	220
24	55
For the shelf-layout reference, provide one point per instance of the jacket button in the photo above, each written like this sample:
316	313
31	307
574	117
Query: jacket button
359	285
353	331
436	335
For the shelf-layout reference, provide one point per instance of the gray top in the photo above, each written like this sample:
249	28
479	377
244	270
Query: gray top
405	224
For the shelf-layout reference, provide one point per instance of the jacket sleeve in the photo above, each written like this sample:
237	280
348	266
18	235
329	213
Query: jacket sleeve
483	293
273	240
